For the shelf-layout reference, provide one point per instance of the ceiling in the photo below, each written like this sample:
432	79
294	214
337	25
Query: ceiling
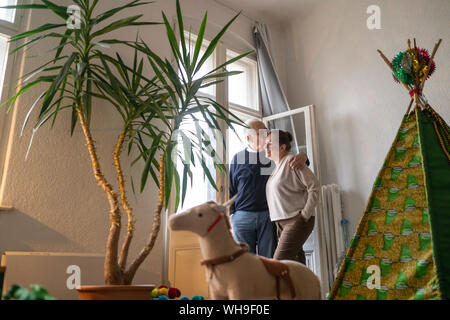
277	9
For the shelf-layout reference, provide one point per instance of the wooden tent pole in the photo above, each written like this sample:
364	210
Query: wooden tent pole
409	107
436	47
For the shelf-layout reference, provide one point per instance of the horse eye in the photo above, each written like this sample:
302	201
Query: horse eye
200	214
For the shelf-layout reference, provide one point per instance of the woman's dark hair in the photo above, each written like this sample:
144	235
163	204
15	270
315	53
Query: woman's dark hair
284	137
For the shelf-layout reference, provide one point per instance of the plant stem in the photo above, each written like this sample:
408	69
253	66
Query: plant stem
129	274
123	198
113	274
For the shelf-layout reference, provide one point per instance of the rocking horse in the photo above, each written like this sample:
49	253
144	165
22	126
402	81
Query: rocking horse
231	271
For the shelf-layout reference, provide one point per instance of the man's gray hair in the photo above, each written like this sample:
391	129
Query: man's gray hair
250	131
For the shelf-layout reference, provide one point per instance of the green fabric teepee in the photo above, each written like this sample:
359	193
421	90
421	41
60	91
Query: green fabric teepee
405	229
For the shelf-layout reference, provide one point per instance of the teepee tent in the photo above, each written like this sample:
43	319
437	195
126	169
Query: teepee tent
401	249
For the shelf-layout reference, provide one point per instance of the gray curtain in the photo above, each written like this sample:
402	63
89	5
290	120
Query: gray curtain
273	100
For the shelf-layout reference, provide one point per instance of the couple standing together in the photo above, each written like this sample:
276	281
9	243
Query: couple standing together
274	210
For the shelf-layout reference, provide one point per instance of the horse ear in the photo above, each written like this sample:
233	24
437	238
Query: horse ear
216	207
220	208
229	202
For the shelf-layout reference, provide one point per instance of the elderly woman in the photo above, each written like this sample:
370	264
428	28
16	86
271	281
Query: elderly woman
292	196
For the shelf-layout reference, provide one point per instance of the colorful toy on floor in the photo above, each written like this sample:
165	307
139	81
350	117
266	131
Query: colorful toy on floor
165	293
193	298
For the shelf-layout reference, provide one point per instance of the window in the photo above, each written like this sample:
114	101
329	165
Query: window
3	58
199	189
8	15
243	88
243	99
8	27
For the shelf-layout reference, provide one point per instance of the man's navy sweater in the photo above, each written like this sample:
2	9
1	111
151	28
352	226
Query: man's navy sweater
249	172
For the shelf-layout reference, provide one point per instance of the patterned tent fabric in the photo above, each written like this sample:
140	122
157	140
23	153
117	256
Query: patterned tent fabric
405	229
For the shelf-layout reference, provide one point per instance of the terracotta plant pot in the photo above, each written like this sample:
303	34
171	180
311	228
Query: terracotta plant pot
2	277
116	292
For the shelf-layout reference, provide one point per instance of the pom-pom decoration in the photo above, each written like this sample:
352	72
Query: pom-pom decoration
155	293
165	293
411	66
174	293
424	53
193	298
401	60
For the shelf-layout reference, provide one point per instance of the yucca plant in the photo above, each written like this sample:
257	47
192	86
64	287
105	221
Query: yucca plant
153	108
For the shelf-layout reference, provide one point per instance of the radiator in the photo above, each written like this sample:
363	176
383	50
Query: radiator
333	229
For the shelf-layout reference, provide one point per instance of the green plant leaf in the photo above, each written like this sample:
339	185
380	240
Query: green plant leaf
36	39
25	6
11	101
59	10
208	174
213	44
126	22
51	92
108	14
199	42
63	42
168	173
181	30
26	77
30	111
35	129
153	149
73	120
184	186
222	66
82	3
61	98
45	27
87	99
173	39
177	186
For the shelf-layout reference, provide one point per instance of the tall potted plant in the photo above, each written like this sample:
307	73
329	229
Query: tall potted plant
153	109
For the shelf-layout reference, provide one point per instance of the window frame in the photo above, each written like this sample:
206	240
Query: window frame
10	28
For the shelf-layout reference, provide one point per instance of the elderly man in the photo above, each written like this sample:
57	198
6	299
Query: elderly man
249	172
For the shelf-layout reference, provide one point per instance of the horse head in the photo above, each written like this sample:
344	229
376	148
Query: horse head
201	219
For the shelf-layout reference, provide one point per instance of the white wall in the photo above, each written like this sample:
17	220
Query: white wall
331	62
57	204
